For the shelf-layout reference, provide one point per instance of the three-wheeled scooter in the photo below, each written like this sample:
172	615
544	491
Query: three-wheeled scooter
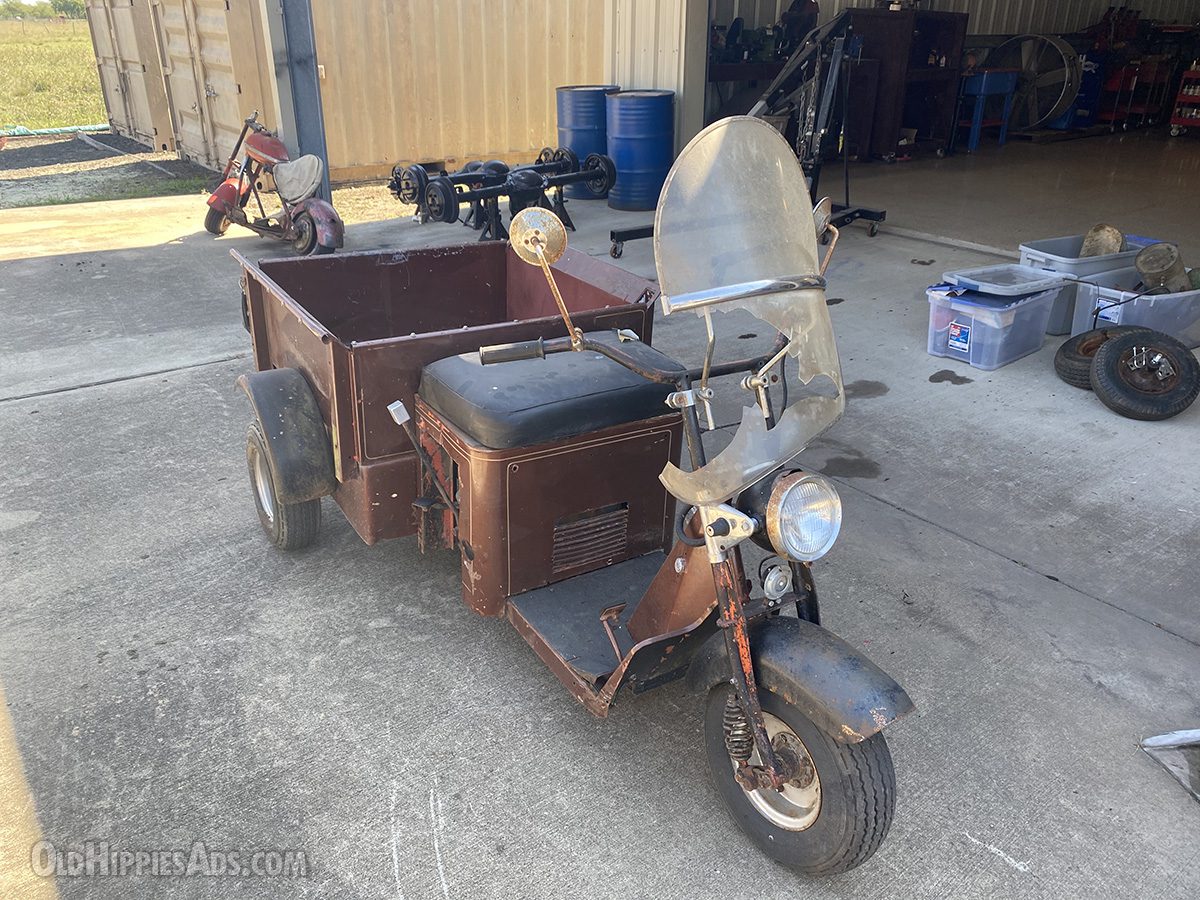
552	466
309	223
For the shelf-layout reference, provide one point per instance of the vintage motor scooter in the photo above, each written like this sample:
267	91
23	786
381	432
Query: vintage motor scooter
309	223
553	468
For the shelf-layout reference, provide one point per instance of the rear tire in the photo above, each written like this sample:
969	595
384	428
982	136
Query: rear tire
1073	361
289	526
216	222
305	241
856	793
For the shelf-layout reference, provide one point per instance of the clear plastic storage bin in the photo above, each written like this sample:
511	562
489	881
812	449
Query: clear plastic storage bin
1116	293
1061	255
985	330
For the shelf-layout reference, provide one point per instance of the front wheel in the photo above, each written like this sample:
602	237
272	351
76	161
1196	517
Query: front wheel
215	221
832	816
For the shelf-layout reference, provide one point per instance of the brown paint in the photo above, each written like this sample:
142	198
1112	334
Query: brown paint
361	326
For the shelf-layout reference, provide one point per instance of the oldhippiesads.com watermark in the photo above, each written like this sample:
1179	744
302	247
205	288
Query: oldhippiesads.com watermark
100	859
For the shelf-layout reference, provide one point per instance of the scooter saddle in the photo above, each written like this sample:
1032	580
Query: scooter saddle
536	401
299	179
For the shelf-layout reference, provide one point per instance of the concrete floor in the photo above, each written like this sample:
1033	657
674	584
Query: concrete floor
1143	182
1015	554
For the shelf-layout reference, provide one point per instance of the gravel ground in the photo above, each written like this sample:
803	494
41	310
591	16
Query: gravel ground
64	169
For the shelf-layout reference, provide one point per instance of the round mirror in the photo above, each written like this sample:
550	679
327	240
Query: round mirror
533	227
822	215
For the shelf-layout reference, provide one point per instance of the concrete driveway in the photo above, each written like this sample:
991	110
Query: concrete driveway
1015	554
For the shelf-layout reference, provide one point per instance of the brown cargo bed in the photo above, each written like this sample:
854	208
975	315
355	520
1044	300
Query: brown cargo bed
361	326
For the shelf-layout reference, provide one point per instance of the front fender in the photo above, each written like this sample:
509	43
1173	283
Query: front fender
330	229
226	196
299	448
839	689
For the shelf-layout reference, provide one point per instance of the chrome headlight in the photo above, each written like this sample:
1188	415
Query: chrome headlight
804	516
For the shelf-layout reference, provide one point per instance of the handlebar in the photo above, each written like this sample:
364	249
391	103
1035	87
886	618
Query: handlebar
538	349
499	353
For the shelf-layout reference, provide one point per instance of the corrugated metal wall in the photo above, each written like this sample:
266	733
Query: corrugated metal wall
987	16
454	80
661	44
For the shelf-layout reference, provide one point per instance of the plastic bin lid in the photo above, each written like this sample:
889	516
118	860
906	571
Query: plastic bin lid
959	296
1008	280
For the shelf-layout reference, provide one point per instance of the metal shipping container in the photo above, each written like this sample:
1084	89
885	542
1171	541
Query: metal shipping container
448	80
131	78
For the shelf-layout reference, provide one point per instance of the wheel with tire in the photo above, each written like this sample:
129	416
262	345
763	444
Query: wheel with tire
290	526
1073	361
617	250
1146	375
832	816
215	222
1176	131
305	241
873	229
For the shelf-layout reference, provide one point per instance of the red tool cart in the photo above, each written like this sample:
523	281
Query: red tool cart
1186	113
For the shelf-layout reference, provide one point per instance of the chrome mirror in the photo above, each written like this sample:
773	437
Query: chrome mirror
538	237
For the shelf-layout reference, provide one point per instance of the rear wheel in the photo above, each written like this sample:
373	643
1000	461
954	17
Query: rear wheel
832	816
215	221
305	241
290	526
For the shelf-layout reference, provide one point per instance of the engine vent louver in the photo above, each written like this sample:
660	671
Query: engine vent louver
593	537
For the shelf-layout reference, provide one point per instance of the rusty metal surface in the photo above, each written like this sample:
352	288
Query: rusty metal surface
511	501
838	688
361	326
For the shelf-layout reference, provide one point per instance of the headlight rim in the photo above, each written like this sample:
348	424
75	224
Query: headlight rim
780	488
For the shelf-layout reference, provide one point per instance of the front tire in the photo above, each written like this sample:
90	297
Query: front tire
289	526
216	222
825	826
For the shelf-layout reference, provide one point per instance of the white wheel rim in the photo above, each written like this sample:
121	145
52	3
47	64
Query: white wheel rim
262	484
794	807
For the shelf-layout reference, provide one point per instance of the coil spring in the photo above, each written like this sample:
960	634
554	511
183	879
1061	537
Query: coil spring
739	741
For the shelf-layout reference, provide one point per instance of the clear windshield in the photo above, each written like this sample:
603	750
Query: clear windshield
735	209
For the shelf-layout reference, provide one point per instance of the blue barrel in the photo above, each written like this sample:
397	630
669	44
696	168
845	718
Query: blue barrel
641	142
582	125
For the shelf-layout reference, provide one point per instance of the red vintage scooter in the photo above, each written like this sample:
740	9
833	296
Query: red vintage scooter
309	223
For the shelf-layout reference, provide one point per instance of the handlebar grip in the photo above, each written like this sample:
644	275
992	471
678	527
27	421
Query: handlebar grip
498	353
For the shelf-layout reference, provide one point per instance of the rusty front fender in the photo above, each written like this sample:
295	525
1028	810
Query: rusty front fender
840	690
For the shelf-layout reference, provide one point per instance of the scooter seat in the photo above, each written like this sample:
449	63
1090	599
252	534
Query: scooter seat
536	401
298	179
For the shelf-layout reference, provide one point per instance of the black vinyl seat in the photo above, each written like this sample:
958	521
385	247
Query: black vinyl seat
535	401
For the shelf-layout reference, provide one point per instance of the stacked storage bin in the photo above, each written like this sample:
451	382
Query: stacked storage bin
992	316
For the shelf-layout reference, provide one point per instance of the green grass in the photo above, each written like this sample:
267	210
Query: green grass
48	75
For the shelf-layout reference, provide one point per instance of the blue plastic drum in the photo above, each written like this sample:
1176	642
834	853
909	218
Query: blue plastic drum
582	125
641	142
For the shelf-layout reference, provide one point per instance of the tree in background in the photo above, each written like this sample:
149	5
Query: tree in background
72	9
15	9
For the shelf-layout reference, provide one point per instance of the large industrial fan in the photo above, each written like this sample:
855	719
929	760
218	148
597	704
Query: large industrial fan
1050	76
